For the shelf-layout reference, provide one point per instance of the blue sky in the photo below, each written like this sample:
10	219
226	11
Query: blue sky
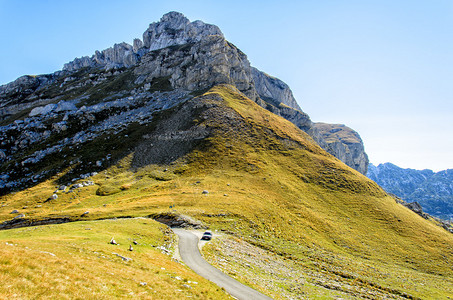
384	68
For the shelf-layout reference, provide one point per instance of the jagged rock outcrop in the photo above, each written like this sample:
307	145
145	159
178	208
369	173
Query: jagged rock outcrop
197	66
213	60
137	45
177	220
16	91
345	144
175	29
24	84
273	89
278	98
172	29
204	58
415	207
79	63
20	221
118	56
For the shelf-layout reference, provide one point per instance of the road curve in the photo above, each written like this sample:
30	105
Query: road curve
188	249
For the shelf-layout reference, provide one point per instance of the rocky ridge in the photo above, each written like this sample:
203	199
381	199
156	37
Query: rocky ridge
105	95
173	29
23	141
223	64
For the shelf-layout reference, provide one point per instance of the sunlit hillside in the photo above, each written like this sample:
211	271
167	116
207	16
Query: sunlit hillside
249	174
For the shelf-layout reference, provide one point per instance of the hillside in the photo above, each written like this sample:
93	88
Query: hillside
75	261
271	187
178	128
432	190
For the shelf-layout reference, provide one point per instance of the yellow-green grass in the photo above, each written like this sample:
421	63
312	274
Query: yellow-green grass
324	277
76	261
271	186
271	273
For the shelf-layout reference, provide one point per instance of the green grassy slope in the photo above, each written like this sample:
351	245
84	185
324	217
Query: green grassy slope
76	261
270	186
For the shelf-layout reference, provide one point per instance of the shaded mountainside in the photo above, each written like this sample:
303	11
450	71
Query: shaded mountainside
261	181
174	55
433	191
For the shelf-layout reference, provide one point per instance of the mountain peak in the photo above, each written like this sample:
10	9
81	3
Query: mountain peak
174	17
190	57
175	29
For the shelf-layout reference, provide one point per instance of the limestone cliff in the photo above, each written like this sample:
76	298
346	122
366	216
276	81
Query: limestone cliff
345	144
198	66
273	89
172	29
175	29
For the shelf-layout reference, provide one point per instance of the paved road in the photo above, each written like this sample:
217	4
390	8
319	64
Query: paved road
188	249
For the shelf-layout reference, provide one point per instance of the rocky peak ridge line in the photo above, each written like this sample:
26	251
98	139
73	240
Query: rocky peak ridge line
172	29
190	56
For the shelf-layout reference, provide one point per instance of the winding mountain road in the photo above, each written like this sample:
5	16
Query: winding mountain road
188	249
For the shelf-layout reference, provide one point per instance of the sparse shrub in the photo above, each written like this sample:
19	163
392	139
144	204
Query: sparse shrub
181	169
106	190
161	176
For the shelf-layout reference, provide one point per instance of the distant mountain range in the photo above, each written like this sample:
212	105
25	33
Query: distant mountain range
433	191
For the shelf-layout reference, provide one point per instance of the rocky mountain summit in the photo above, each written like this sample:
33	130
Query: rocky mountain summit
173	29
97	107
433	191
195	56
